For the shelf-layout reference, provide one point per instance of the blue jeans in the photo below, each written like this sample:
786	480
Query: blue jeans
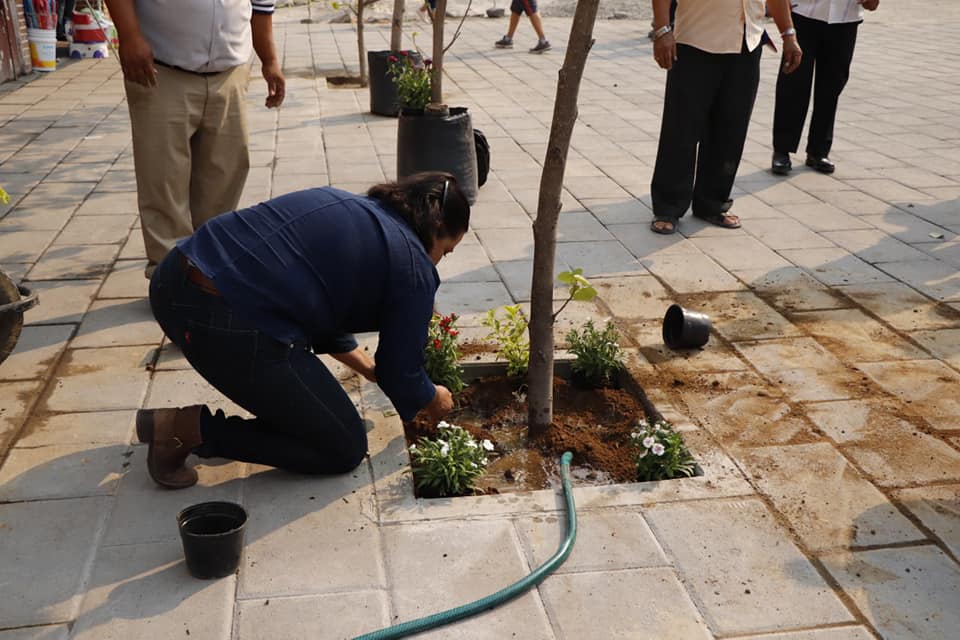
305	422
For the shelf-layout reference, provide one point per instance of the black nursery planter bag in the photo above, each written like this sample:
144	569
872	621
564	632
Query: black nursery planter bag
439	143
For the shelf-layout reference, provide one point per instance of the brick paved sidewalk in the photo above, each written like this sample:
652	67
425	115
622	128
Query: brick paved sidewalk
824	410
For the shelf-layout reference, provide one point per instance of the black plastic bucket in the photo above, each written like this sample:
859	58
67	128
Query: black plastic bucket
212	535
685	329
439	143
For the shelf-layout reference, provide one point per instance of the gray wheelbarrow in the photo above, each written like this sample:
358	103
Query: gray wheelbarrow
14	300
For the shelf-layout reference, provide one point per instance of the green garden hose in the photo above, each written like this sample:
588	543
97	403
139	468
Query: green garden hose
496	599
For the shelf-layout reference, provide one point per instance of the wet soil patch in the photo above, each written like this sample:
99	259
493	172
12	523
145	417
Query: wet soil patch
593	424
343	82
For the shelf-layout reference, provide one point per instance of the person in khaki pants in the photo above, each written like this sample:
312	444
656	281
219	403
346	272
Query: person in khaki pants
186	68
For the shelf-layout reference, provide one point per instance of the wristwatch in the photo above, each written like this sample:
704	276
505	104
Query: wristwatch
662	31
788	32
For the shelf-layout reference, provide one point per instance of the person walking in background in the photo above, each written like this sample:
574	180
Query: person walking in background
827	32
186	67
518	7
713	69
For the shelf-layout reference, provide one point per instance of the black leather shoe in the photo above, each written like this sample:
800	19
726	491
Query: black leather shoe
781	163
823	165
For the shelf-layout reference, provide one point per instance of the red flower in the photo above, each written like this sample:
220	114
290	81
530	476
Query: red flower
428	62
405	53
453	332
436	344
393	59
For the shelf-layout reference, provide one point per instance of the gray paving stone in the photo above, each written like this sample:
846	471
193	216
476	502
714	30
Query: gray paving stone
713	357
932	277
61	301
23	246
874	246
47	549
606	541
633	297
879	438
37	349
83	230
284	554
740	253
734	557
183	388
471	300
833	633
821	217
126	280
145	512
51	632
741	315
578	602
598	258
691	273
927	385
853	336
938	508
770	356
743	410
507	244
786	234
118	322
907	227
908	592
342	615
68	262
438	565
61	471
791	289
827	503
15	400
944	344
834	266
97	380
901	306
642	243
106	427
144	591
468	263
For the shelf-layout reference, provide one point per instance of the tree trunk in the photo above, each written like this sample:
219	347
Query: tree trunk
396	26
436	79
540	376
361	48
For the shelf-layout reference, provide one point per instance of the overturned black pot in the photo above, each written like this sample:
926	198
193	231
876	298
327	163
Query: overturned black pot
438	142
685	329
383	92
212	536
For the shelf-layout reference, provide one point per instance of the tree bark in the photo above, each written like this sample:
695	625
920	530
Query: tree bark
540	376
361	47
436	79
396	26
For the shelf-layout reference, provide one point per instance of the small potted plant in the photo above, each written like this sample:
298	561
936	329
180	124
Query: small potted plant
449	464
599	358
661	454
383	93
440	138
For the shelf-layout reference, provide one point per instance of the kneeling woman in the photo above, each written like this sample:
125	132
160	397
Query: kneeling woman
255	293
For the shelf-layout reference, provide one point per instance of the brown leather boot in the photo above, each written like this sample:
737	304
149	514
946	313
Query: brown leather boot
172	435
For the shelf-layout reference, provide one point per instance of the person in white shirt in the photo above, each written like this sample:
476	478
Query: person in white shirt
827	31
186	68
713	65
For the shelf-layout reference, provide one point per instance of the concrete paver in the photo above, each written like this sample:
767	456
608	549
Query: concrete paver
830	274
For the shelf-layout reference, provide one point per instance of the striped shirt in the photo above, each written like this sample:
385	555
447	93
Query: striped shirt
829	11
200	35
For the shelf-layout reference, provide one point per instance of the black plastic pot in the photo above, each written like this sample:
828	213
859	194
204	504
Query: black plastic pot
383	93
685	329
439	143
495	12
212	535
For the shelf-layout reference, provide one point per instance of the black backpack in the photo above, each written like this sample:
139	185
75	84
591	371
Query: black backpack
483	156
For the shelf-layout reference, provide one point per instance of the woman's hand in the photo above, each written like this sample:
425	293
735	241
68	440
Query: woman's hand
665	50
441	405
870	5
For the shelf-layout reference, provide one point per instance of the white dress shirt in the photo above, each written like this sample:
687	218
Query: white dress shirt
720	26
829	11
200	35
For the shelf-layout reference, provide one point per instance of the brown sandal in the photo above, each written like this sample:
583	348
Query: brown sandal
663	229
722	220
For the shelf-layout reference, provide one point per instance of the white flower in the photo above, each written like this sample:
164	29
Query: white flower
443	424
487	445
445	449
657	449
642	424
413	447
635	434
643	454
472	443
649	441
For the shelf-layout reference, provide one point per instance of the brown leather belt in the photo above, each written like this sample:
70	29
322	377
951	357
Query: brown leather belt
196	276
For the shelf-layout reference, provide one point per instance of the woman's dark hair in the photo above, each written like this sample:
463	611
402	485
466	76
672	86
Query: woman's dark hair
432	203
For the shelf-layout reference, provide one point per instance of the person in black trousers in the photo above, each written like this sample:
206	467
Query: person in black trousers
713	68
827	32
